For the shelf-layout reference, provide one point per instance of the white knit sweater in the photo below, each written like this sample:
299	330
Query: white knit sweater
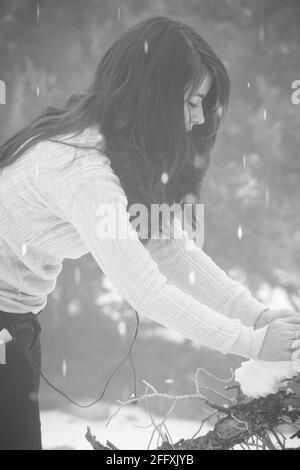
49	211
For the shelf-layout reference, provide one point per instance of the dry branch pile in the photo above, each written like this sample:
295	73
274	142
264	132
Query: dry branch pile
248	425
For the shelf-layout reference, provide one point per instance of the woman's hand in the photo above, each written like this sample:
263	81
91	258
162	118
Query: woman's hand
268	316
279	339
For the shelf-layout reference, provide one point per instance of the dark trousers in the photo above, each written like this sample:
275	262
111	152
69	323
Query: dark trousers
20	427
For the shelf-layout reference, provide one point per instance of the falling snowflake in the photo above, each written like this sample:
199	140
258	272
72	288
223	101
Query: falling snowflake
33	396
248	84
220	111
77	275
265	114
164	178
122	328
36	172
261	34
169	381
240	232
146	47
2	92
192	277
38	12
24	249
38	91
73	308
244	160
64	368
267	196
119	12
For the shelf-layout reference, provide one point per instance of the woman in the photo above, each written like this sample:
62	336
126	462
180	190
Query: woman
153	109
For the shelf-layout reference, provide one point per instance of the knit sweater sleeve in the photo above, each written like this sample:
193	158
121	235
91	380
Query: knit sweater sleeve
95	196
188	267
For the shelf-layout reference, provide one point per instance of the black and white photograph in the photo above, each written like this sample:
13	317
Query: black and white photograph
149	227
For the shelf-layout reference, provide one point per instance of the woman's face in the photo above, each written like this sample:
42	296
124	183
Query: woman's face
193	110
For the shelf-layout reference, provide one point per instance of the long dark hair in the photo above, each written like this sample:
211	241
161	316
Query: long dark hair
137	101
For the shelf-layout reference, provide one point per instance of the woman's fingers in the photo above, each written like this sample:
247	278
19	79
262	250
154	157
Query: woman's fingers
294	344
280	341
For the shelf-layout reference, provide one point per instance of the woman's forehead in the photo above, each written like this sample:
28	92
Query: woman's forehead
204	87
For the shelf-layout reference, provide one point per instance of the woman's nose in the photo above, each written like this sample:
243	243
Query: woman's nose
199	118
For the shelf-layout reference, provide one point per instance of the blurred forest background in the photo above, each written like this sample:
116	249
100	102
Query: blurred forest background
251	193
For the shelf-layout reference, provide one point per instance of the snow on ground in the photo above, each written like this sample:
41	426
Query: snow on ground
65	430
